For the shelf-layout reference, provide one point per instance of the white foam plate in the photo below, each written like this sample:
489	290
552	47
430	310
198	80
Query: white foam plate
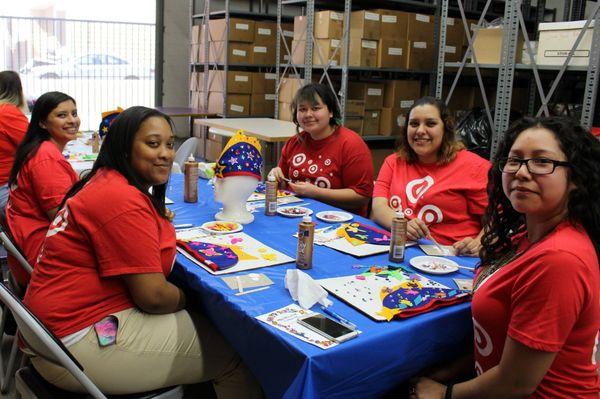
434	264
334	216
294	211
221	227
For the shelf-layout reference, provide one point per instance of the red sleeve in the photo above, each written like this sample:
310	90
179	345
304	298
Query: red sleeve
50	180
14	124
384	179
357	172
547	301
477	197
113	244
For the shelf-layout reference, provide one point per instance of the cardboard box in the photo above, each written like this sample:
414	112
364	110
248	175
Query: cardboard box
557	39
392	53
354	124
323	52
265	33
393	24
328	25
263	82
195	34
237	81
365	25
420	28
298	48
420	56
401	93
370	93
379	155
237	104
197	99
300	23
488	46
285	113
214	149
288	88
355	108
262	54
262	104
363	52
391	121
240	30
239	53
371	122
195	83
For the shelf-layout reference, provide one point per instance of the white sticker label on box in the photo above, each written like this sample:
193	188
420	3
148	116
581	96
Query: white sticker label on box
395	51
336	16
389	19
372	91
374	114
286	57
270	97
239	26
236	108
271	76
335	43
422	18
371	16
264	31
241	53
332	62
260	49
406	103
450	21
420	44
451	49
473	26
288	33
241	78
369	44
401	120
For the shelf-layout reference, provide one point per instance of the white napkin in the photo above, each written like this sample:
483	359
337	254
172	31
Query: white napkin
304	289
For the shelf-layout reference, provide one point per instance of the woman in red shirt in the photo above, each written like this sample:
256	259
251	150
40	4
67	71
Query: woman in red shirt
101	281
40	175
440	186
536	304
325	160
13	124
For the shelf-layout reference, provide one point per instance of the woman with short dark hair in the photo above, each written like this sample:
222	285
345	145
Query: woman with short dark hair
325	160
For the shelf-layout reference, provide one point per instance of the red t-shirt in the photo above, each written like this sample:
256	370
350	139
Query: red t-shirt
42	183
341	160
89	245
451	198
548	300
13	125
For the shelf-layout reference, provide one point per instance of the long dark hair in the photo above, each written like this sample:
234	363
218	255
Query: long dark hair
11	90
450	144
115	153
36	134
310	93
502	222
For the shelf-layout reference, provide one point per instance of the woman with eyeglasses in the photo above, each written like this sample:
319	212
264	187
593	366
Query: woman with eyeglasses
536	302
438	184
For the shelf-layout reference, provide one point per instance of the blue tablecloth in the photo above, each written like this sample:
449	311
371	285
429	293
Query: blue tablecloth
384	355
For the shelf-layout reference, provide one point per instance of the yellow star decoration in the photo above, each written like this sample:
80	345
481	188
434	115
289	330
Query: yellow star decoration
218	168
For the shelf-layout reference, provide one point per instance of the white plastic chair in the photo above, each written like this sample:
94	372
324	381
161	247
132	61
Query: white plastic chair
184	151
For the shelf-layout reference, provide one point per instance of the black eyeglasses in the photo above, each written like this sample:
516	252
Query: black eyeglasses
535	166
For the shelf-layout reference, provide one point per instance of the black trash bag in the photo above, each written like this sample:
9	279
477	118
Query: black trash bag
474	130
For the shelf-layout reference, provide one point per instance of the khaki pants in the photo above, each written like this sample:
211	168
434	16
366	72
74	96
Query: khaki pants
154	351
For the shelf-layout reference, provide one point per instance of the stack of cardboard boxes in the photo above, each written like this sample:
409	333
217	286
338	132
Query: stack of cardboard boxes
328	38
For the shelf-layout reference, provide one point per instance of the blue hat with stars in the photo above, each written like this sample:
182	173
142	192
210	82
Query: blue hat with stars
240	157
108	118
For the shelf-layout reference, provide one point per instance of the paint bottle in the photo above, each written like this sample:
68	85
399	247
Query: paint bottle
306	236
190	180
95	143
271	196
398	240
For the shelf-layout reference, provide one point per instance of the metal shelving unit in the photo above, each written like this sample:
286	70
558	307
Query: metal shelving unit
514	19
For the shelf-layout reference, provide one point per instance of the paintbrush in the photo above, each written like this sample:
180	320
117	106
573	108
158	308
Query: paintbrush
438	246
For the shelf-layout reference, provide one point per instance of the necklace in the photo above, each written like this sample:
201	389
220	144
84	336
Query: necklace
511	255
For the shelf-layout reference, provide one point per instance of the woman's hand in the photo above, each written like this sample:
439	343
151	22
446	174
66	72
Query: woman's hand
468	246
169	214
426	388
278	173
416	228
304	189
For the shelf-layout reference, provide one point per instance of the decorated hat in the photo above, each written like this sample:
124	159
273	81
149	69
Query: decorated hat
240	157
107	119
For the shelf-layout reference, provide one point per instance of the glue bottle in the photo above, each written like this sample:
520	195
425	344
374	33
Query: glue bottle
95	143
306	236
190	180
271	196
398	240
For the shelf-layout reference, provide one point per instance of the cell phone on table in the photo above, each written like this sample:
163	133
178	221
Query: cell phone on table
327	327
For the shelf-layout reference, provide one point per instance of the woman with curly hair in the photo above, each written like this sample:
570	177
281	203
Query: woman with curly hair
536	302
438	184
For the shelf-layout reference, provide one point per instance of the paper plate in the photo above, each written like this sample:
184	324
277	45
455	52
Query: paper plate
294	211
434	264
221	227
334	216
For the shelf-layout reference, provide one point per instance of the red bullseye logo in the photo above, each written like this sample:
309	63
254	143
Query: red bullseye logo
431	214
416	188
298	159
